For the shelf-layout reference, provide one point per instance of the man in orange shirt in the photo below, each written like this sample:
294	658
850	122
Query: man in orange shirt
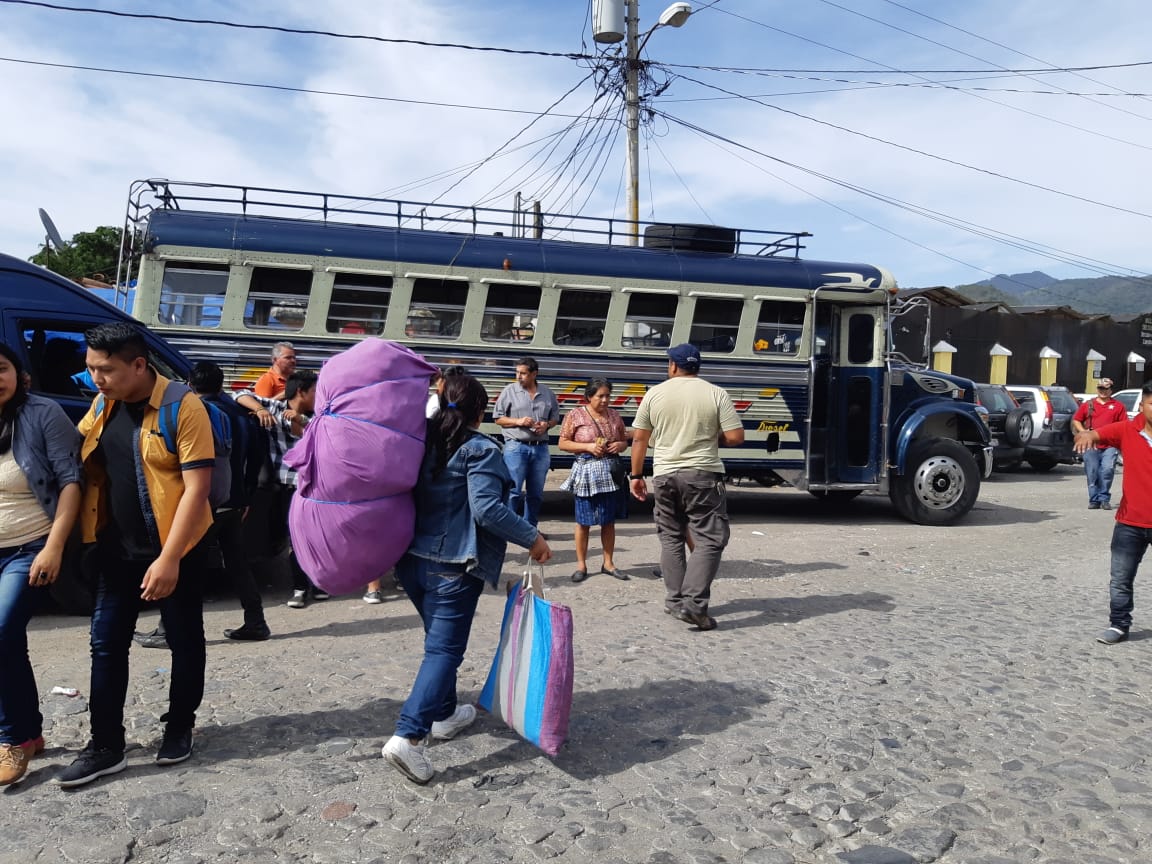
272	383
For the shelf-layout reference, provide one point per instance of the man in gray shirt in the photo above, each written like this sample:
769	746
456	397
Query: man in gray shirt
525	411
686	419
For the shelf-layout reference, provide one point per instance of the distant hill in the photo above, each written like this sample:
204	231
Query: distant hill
1107	295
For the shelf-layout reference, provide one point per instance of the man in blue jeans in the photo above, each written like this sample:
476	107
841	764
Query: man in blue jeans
1099	461
1133	530
525	411
147	510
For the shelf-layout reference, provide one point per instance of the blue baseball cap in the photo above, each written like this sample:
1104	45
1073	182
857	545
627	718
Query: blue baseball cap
686	356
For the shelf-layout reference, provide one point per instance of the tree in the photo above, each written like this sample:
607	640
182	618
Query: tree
90	254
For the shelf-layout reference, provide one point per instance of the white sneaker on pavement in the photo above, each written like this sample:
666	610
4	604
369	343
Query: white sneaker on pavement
461	719
409	759
298	600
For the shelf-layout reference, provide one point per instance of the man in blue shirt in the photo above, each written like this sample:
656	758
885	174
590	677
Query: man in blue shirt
525	411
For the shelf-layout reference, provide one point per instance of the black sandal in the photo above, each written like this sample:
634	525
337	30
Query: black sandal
579	575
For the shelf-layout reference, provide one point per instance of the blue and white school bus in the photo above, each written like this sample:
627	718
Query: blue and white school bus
802	346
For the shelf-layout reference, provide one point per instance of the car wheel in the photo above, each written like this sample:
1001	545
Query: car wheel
1042	463
1018	427
939	484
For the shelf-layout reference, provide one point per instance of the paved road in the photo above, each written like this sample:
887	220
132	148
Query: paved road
876	692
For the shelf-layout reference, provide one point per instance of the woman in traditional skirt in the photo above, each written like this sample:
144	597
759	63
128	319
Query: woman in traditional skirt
595	432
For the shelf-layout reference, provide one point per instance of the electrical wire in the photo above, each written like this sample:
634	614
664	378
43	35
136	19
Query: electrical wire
296	31
259	86
883	23
987	171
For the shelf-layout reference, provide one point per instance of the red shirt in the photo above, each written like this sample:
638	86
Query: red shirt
1136	505
1093	415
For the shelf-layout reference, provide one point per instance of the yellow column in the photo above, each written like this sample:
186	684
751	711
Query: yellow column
942	357
1092	373
998	374
1049	360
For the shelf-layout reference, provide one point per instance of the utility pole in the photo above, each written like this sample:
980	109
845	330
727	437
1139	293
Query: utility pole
632	117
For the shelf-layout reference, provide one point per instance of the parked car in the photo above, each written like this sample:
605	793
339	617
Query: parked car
1011	426
1052	409
1130	399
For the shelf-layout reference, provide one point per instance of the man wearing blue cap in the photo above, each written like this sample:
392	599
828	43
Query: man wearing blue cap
686	419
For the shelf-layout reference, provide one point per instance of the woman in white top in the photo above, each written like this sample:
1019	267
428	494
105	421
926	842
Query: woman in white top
39	502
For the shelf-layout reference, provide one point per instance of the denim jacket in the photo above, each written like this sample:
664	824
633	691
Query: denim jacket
462	516
46	446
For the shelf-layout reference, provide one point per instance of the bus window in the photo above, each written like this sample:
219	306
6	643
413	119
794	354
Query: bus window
277	298
861	338
648	323
193	294
779	327
359	304
715	324
580	318
437	308
510	313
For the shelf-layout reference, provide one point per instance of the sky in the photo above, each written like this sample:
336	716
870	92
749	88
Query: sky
855	120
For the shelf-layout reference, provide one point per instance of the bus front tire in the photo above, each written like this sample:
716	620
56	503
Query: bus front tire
939	485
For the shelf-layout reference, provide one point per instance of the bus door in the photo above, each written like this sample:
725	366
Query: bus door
856	396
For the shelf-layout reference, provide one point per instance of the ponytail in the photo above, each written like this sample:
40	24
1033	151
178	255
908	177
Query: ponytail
463	401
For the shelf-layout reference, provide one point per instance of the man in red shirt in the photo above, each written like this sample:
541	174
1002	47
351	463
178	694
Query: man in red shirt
1133	530
1099	461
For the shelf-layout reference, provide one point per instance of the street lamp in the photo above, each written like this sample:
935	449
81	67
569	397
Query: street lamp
674	16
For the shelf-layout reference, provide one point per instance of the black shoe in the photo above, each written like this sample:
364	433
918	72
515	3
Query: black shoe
92	763
1105	505
616	574
176	747
579	575
700	619
1095	505
320	594
249	633
156	639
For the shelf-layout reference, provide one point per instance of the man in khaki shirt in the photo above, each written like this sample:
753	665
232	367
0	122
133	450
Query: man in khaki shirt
686	419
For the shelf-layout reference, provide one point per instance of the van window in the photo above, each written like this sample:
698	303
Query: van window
277	299
437	308
193	294
779	327
510	313
56	354
648	323
359	303
715	323
580	318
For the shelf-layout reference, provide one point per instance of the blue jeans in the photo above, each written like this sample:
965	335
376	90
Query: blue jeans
446	598
1100	466
118	604
528	466
1128	545
20	717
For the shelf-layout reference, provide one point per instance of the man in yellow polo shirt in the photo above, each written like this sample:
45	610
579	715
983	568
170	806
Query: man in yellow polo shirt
146	509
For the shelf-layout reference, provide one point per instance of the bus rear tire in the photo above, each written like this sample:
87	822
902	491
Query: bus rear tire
939	485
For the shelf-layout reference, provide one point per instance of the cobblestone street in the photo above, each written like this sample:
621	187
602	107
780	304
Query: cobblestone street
876	692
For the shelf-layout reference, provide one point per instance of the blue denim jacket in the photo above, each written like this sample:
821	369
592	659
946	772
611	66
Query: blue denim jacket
462	516
46	446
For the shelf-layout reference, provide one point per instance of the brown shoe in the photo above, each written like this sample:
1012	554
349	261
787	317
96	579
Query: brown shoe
13	763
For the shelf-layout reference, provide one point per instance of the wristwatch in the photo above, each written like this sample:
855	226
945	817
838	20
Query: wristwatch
635	476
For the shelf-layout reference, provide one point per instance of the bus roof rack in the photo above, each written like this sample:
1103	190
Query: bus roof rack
524	220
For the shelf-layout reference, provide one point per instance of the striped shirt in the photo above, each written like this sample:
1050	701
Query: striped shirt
280	439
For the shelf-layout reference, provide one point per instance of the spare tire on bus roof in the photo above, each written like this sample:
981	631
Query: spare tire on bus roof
691	238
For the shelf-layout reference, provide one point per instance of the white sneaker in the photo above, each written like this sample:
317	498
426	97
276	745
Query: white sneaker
299	599
409	759
374	597
460	720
